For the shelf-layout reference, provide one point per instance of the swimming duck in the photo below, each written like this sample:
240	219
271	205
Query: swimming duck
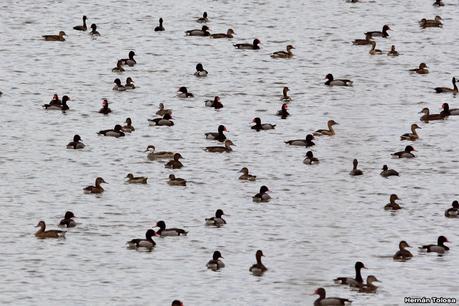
129	83
175	163
105	109
246	46
152	155
215	263
245	176
405	154
310	159
177	303
449	111
200	71
392	205
136	179
439	248
355	171
118	86
56	106
413	136
330	301
327	132
382	33
453	90
81	27
55	100
362	42
285	97
353	282
59	37
129	61
176	181
430	117
307	142
147	243
162	110
160	27
431	23
215	103
402	253
259	268
262	126
229	34
453	212
283	111
128	128
388	172
438	3
163	231
369	287
217	135
164	121
218	149
217	221
97	188
392	51
119	67
183	93
373	50
94	31
203	32
76	143
284	54
421	70
116	132
42	233
203	19
262	196
68	220
331	81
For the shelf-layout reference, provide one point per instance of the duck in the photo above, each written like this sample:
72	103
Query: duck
331	81
402	253
392	51
261	126
160	27
431	23
369	287
162	110
58	106
204	31
183	93
200	71
310	159
449	111
164	121
76	143
258	268
284	54
130	61
116	132
453	212
438	3
176	181
373	50
386	172
147	243
136	179
118	86
283	113
327	132
129	83
362	42
439	248
307	142
59	37
405	153
245	176
42	233
229	34
217	135
175	163
217	221
330	301
262	196
245	46
215	263
219	149
68	220
94	31
203	19
382	33
152	155
128	128
55	100
421	70
119	67
96	188
105	109
355	171
163	231
430	117
353	282
413	136
177	303
453	90
81	27
392	205
215	103
285	97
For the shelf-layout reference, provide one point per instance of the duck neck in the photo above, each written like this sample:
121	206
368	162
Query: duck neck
413	131
358	275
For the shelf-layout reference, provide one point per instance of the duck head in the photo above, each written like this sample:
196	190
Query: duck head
219	213
217	255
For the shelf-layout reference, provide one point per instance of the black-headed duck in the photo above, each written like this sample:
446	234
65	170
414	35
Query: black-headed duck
402	253
203	19
392	205
373	50
262	196
131	179
439	248
258	268
449	111
353	282
215	263
245	176
284	54
431	23
331	81
130	61
453	90
421	70
42	233
405	153
453	211
176	181
146	243
253	46
285	97
94	31
283	113
129	83
392	51
177	303
413	136
116	132
118	86
204	31
307	142
355	171
183	93
200	71
217	135
76	143
163	231
217	221
430	117
219	149
83	27
327	132
58	105
369	287
438	3
386	172
160	27
174	163
261	126
59	37
329	301
97	188
310	159
215	103
162	121
128	127
382	33
105	109
119	67
362	42
152	155
162	110
68	220
229	34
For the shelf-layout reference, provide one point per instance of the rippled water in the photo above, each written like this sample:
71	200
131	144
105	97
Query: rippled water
320	220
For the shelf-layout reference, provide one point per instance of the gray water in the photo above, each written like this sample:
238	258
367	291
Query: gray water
320	220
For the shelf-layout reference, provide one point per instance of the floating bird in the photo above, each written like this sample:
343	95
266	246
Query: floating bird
217	135
307	142
76	143
373	50
245	176
285	97
331	81
203	32
163	231
355	171
246	46
261	126
402	253
431	23
229	34
175	163
217	221
284	54
160	27
59	37
68	220
164	121
362	42
310	159
353	282
116	132
146	243
283	113
81	27
119	67
439	248
392	51
176	181
262	196
259	268
392	205
421	70
215	263
129	83
42	233
162	110
128	127
94	31
183	93
152	155
386	172
405	153
369	287
382	33
200	71
453	90
130	61
215	103
327	132
57	105
453	211
97	188
219	149
330	301
118	86
203	19
136	179
430	117
413	136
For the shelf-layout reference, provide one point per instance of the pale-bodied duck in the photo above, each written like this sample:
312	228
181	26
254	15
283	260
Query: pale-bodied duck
253	46
258	268
174	163
176	181
160	27
353	282
310	159
261	126
42	233
382	33
183	93
217	135
405	153
355	171
146	243
162	121
413	136
215	103
331	81
439	248
116	132
392	205
327	132
97	188
402	253
283	112
68	220
262	196
422	69
131	179
200	71
453	211
219	149
118	86
386	172
307	142
83	27
329	301
430	117
215	263
76	143
59	37
153	155
204	31
229	34
453	90
217	220
284	54
245	176
163	231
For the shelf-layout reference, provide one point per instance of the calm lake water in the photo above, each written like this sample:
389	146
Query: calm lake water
319	221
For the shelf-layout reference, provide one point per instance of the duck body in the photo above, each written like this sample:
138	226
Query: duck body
220	136
438	3
136	179
353	282
204	31
203	19
373	50
330	301
130	61
453	212
128	127
405	154
228	34
129	83
246	46
218	149
262	196
413	135
369	287
326	132
355	171
258	268
164	232
215	263
453	90
42	233
402	253
431	23
200	71
162	110
217	221
393	52
164	121
285	97
176	181
97	188
331	81
152	155
215	103
183	93
57	104
430	117
246	176
94	31
439	248
105	109
81	27
386	172
362	42
307	142
284	54
115	132
68	220
59	37
449	111
382	33
175	163
422	69
310	159
76	144
392	205
146	243
261	126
